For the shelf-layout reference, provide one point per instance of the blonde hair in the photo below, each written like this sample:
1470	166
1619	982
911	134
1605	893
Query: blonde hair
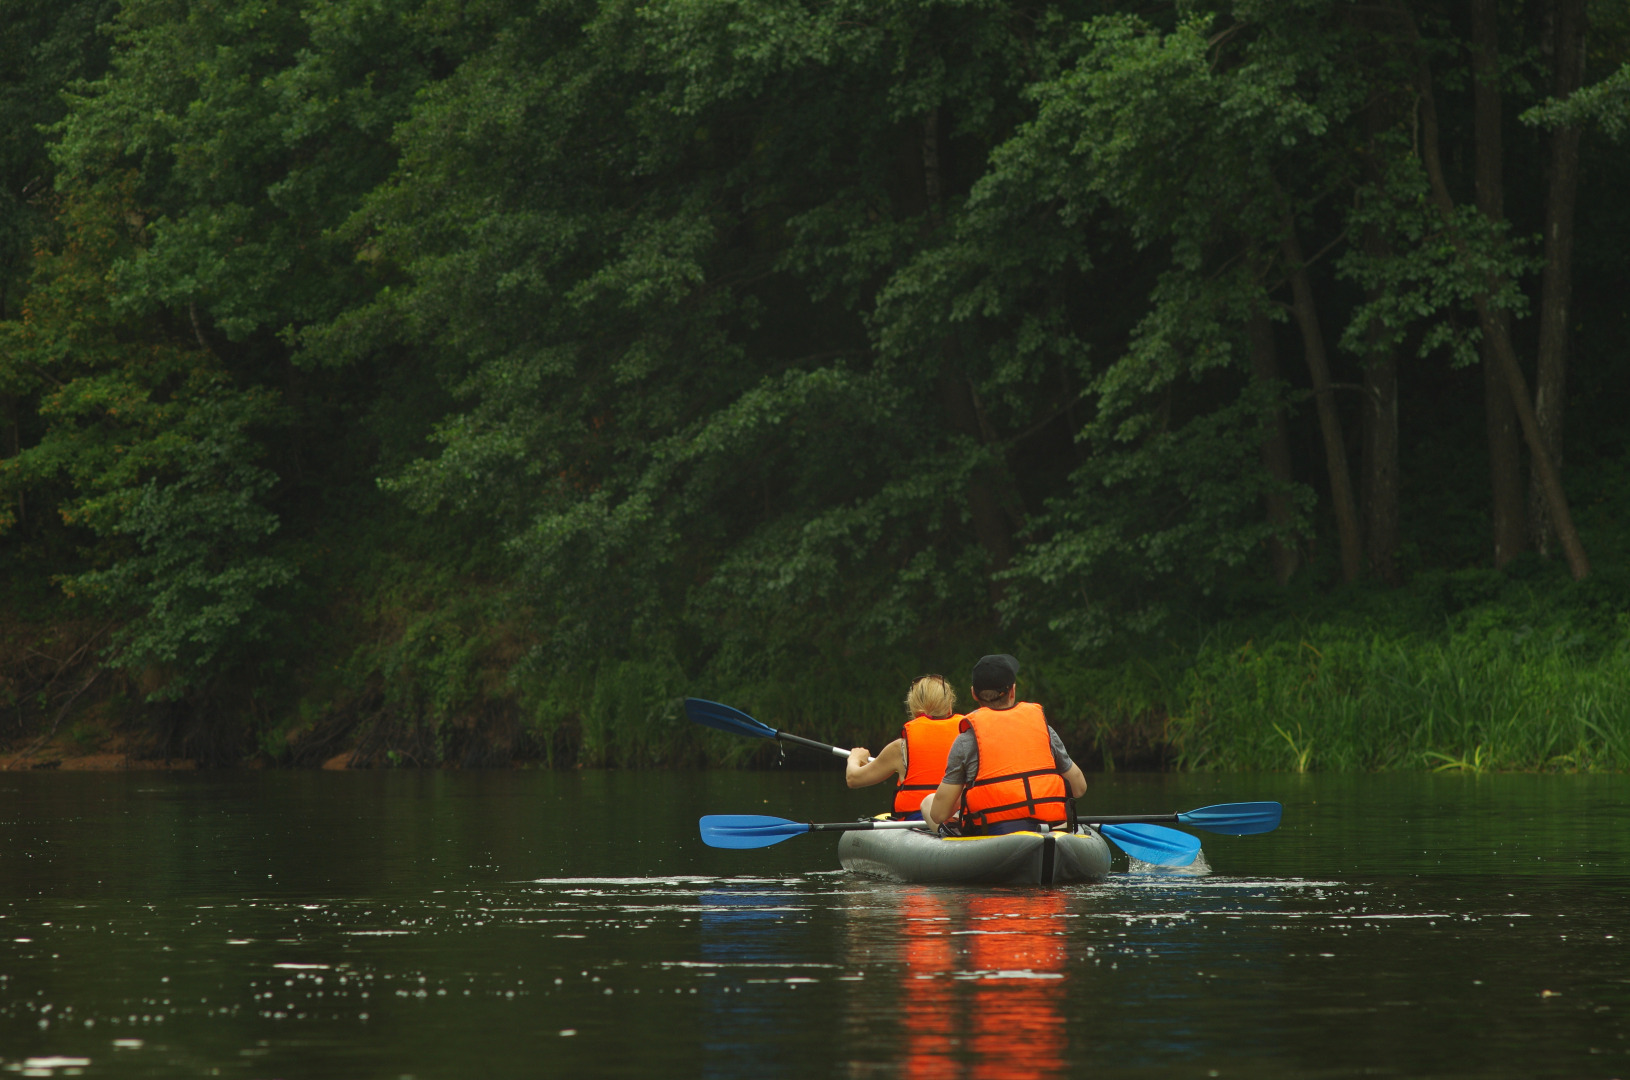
931	695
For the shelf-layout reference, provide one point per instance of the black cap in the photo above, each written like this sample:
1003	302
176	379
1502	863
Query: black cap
995	672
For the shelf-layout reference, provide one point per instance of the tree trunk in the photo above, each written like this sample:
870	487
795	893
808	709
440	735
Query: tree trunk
1275	455
1556	281
992	501
1318	366
989	493
13	448
1380	483
1378	495
1505	454
931	164
1556	500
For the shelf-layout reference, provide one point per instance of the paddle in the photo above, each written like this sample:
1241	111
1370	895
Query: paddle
743	831
1234	819
1153	844
1150	843
735	722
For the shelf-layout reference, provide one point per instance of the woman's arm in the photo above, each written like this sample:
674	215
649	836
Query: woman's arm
864	770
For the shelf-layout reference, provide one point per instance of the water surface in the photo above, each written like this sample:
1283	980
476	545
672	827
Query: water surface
454	925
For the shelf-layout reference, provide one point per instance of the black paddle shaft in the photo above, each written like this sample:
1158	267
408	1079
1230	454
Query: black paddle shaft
842	826
828	747
861	826
1134	819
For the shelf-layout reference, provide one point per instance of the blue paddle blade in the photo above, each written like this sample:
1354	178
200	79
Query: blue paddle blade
724	718
1154	843
744	831
1235	818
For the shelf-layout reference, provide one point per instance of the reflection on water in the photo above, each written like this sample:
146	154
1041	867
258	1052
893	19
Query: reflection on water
981	984
1015	1019
931	1013
745	937
461	926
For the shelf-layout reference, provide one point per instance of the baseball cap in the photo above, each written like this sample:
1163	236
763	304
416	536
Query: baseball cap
996	672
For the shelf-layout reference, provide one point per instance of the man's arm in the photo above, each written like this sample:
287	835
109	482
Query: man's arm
961	767
1074	779
947	800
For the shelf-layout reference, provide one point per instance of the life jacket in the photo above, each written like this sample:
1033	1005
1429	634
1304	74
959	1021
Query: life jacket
927	745
1017	775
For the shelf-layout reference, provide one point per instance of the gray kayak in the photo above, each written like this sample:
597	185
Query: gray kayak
1021	858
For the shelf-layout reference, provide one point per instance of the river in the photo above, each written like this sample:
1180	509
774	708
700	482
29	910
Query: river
462	925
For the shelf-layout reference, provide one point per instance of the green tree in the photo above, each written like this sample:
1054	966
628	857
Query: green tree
47	46
155	447
177	420
647	245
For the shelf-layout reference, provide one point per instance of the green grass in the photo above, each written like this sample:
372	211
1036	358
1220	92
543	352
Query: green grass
1502	677
1502	683
1336	700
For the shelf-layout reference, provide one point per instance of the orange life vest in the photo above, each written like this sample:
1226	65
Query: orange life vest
1017	775
927	745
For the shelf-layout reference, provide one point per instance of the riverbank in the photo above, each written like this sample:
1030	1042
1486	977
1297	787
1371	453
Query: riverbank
1475	672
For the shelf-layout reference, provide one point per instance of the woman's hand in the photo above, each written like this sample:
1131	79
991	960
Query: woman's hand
859	758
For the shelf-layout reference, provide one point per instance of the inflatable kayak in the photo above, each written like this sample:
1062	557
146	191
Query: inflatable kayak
1021	858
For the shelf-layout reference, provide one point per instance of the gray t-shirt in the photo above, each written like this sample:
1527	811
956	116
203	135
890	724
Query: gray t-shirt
962	764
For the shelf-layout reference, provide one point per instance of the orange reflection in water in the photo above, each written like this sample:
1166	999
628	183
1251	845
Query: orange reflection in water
932	1030
982	986
1018	1026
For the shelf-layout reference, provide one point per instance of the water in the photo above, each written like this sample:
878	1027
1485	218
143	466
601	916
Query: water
448	925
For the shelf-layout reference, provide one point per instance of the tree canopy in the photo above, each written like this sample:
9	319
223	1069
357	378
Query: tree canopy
763	339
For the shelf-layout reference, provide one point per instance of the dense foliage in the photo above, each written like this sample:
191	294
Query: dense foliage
448	381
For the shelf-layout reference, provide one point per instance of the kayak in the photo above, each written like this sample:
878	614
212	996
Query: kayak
1021	858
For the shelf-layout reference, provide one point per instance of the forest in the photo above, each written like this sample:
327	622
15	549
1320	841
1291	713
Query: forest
393	383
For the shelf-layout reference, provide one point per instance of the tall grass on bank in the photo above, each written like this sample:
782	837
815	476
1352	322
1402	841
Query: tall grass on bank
1475	670
1326	697
1334	700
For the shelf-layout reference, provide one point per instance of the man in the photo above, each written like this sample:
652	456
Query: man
1008	770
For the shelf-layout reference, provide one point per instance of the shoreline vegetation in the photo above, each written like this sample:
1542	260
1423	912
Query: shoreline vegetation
1509	680
411	384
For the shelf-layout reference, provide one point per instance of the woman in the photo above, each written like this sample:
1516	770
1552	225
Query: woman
917	757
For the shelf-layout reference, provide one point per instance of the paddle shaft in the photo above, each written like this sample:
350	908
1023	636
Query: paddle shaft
1134	819
857	826
838	751
1233	819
